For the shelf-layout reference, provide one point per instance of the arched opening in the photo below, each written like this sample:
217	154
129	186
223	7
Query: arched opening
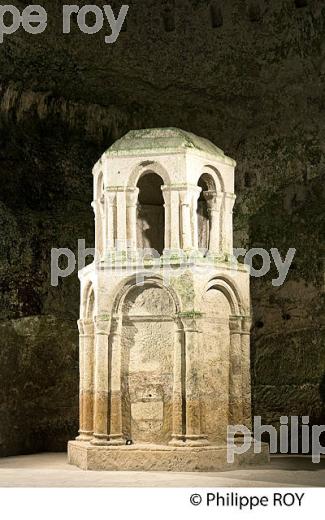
147	356
215	364
207	185
151	214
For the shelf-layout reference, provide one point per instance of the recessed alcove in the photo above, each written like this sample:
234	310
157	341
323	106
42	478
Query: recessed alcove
150	213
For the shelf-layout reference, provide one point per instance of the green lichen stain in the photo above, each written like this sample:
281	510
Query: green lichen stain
190	315
183	285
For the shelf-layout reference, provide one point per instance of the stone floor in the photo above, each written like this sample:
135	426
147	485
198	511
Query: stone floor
52	470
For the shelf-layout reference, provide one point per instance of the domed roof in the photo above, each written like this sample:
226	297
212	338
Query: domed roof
162	140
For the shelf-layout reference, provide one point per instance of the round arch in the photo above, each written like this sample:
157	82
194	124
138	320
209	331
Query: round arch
215	175
148	334
148	167
149	280
207	183
230	291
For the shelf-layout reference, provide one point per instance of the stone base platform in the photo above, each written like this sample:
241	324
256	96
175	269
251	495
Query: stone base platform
148	457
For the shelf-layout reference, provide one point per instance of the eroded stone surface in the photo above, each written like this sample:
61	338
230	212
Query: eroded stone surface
155	458
167	358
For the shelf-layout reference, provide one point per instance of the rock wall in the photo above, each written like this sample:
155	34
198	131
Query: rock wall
247	75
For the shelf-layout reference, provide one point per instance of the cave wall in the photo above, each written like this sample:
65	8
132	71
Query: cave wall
246	75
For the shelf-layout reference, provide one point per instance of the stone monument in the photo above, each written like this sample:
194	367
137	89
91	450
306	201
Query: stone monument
164	338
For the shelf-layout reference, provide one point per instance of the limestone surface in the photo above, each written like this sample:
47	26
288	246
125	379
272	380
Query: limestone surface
164	360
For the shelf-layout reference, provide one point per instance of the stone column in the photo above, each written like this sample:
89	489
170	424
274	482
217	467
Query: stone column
110	197
227	233
102	331
82	435
167	199
178	433
88	396
185	197
116	427
194	435
195	198
214	202
121	232
131	217
246	371
235	372
174	219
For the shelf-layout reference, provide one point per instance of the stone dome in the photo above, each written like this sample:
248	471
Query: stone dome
165	140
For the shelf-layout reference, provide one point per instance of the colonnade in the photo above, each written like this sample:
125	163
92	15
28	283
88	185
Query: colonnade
116	218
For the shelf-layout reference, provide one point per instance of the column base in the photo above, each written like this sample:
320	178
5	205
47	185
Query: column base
116	440
177	440
99	440
84	436
196	440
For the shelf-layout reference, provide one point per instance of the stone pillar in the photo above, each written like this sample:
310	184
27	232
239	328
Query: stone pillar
185	198
116	427
82	435
195	230
167	199
131	217
178	433
214	202
110	197
121	220
235	372
102	331
246	371
227	233
88	398
174	219
194	435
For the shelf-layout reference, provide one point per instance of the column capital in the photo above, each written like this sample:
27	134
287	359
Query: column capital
89	327
189	321
246	325
111	197
132	195
235	324
185	196
230	199
81	326
213	200
117	325
166	193
102	324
